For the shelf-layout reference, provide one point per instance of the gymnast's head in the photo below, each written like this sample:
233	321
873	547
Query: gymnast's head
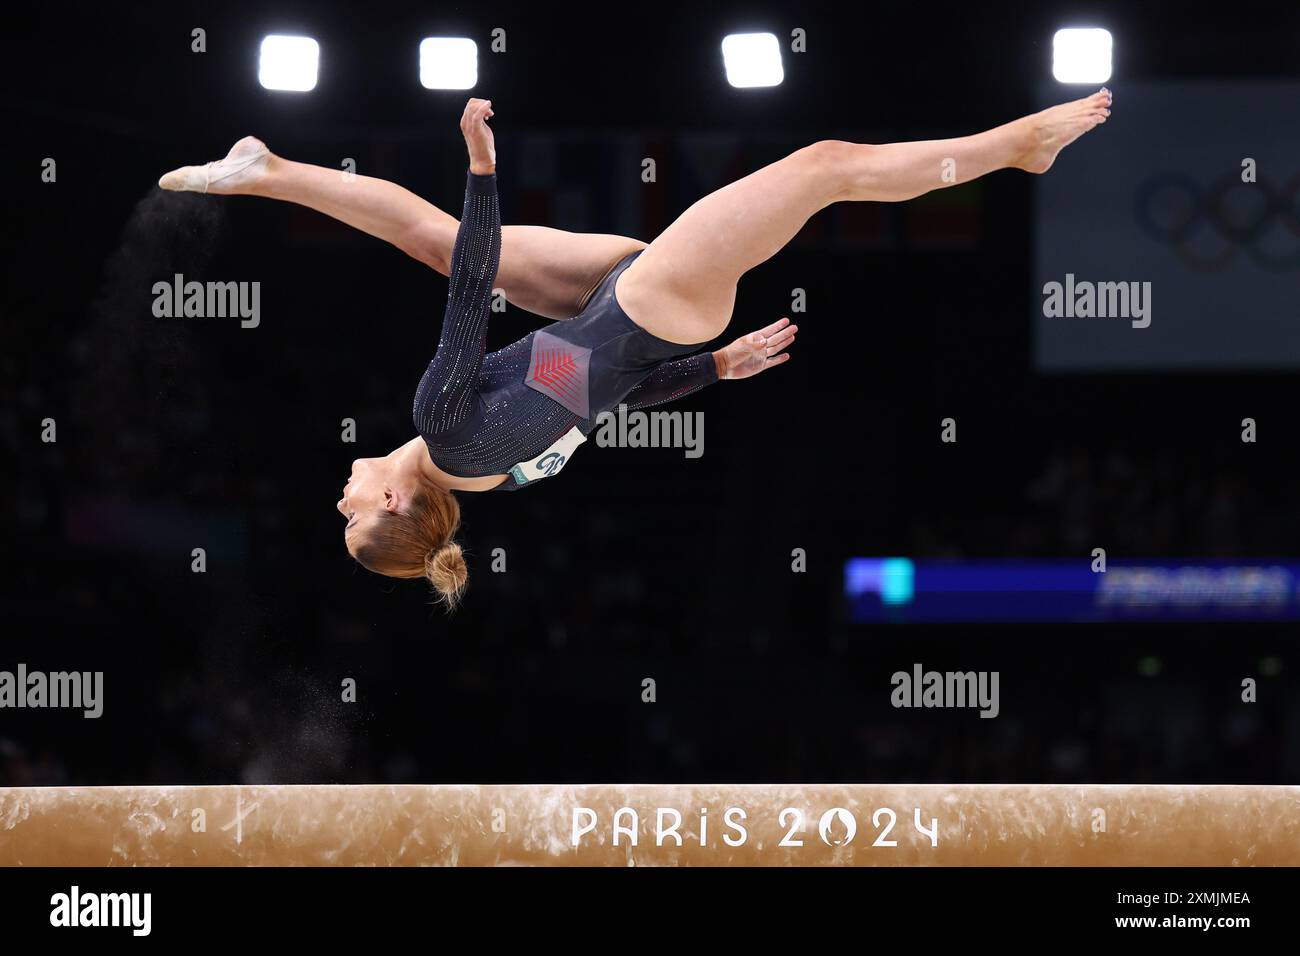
401	524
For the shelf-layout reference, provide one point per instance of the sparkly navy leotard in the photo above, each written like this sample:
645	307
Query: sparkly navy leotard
483	414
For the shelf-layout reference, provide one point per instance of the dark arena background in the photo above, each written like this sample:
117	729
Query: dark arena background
945	477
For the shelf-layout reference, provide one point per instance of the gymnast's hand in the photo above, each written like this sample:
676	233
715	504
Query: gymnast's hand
478	136
752	353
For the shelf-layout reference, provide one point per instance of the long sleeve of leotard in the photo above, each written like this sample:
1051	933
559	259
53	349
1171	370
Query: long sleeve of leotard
449	386
673	380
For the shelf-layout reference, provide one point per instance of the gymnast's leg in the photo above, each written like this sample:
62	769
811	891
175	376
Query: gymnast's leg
546	271
682	288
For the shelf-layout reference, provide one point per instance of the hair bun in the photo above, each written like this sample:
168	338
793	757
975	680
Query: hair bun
446	570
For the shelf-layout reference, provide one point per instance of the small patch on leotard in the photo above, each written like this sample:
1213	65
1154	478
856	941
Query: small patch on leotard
549	462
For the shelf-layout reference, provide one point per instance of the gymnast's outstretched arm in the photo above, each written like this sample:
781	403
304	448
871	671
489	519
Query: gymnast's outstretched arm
448	390
743	358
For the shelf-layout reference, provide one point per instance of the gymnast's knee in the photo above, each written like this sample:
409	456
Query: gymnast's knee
845	170
833	152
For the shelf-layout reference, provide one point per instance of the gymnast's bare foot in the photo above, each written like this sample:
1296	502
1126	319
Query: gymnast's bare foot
1050	131
239	172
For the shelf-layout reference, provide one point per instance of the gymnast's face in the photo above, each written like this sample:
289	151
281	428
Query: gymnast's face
370	489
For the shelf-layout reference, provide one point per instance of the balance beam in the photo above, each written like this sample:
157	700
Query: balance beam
633	825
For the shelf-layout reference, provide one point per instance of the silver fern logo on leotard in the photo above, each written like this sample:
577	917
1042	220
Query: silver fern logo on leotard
559	370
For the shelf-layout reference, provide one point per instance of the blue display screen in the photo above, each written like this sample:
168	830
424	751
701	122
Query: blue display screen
900	589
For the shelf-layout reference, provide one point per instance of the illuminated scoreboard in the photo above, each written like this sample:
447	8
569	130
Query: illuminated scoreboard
900	589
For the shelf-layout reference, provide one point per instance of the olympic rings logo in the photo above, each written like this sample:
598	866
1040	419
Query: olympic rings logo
1208	228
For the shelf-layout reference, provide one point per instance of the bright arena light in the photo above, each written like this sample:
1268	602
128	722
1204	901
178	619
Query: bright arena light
448	63
1081	55
752	59
288	63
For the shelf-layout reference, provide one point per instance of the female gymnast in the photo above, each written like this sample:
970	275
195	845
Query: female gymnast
628	314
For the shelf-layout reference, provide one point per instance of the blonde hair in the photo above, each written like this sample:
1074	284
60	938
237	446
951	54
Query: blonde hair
417	543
